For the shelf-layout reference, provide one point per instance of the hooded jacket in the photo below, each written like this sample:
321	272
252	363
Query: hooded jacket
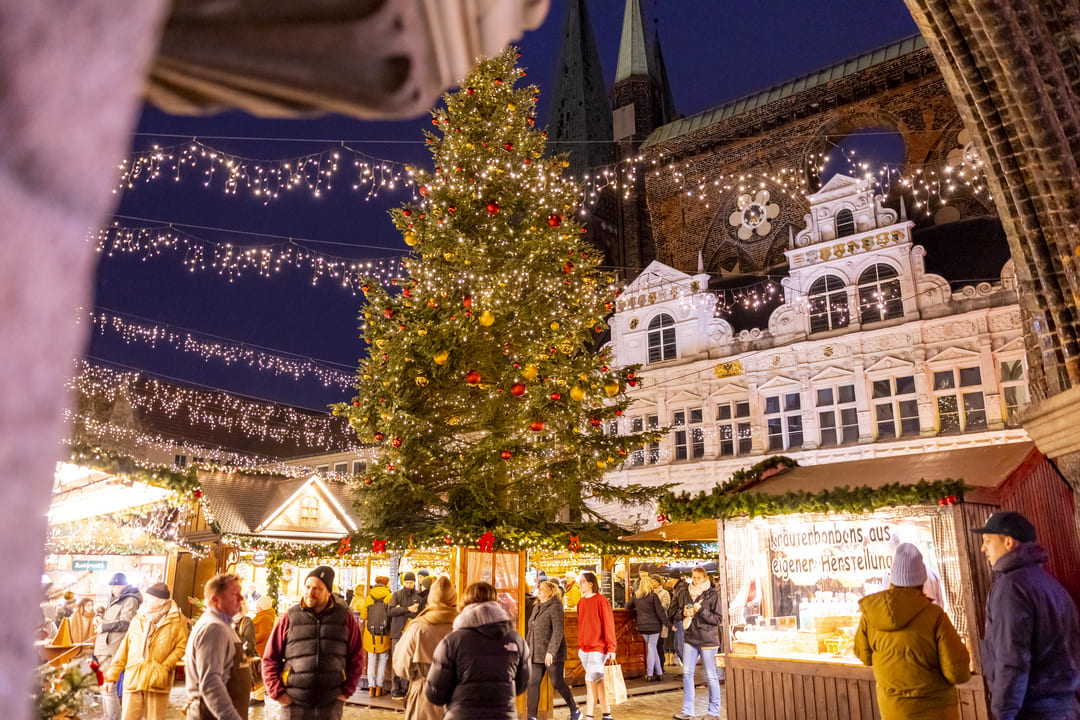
415	651
572	596
264	625
480	667
651	614
373	644
115	622
1030	648
547	631
917	655
148	657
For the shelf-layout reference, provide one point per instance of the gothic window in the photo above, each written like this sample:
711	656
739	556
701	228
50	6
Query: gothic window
783	421
309	511
689	434
733	425
838	417
896	407
661	338
959	400
828	304
1013	390
845	223
879	294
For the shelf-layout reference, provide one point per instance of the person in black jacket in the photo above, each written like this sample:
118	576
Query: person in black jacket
547	640
701	620
403	607
651	617
680	598
483	665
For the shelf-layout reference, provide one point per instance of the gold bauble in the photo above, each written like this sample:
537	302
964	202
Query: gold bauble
530	371
555	326
577	393
381	343
487	318
612	389
448	256
561	382
410	239
422	332
601	464
421	381
566	346
583	377
441	357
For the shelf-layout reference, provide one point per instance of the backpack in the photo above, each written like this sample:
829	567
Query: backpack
378	620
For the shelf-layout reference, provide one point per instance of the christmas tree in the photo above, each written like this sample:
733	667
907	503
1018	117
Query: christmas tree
483	388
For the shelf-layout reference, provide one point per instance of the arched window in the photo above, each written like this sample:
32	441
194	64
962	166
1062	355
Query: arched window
879	294
828	304
661	338
309	511
845	223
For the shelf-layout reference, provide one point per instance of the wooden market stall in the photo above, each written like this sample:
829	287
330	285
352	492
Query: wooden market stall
791	580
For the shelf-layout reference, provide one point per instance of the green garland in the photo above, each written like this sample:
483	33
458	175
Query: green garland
96	458
723	505
273	578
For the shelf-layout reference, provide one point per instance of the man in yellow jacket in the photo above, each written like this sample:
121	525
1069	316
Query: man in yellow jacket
917	655
148	655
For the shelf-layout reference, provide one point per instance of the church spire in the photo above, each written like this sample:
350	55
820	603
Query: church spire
635	55
579	118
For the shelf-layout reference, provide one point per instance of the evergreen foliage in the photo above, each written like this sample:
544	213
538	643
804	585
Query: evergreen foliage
482	386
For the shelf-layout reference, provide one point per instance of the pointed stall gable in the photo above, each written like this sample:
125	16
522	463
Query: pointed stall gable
889	364
312	510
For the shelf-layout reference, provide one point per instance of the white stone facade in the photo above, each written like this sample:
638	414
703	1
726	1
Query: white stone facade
868	356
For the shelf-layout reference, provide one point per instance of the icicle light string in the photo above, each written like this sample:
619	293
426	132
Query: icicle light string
316	173
229	351
216	410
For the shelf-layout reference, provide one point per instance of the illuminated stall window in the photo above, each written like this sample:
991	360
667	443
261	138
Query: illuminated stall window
794	581
309	511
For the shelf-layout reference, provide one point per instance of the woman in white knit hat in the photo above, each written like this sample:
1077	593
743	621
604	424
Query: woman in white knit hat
917	655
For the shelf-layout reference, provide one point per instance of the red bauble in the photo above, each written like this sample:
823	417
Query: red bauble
661	518
424	190
618	413
530	120
467	301
388	313
365	288
506	454
367	481
379	437
556	396
356	403
406	212
472	377
536	425
630	376
603	368
631	383
470	91
396	442
517	389
509	146
568	268
554	221
498	81
492	207
406	292
596	422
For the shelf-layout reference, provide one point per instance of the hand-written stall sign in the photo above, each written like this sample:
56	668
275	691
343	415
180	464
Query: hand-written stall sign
92	565
847	551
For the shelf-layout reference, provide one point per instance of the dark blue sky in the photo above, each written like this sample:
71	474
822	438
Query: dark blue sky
714	52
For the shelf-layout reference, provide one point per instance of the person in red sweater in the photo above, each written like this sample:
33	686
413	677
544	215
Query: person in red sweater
596	643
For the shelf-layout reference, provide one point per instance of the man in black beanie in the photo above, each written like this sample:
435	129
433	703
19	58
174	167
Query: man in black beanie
403	607
312	662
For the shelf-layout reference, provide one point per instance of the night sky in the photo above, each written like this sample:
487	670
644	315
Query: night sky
714	52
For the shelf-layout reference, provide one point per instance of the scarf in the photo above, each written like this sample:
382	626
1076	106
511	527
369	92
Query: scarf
438	614
696	590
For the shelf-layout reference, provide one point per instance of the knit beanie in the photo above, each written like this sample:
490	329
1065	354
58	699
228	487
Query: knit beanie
158	590
118	579
408	577
325	574
908	569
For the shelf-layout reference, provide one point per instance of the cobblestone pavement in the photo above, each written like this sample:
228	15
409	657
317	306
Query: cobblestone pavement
651	706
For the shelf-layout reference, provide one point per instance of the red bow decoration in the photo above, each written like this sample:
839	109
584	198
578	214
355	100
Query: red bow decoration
950	500
575	544
378	546
486	542
345	545
98	674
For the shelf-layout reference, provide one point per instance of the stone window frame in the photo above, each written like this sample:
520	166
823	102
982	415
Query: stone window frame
841	409
844	289
959	393
341	468
735	424
359	466
649	453
893	400
689	442
844	225
660	337
1011	408
890	312
787	417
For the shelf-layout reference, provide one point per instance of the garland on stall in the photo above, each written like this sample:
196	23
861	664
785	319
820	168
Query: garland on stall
723	505
182	482
274	563
755	473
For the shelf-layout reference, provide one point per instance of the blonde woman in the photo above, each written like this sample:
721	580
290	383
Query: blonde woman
414	653
547	643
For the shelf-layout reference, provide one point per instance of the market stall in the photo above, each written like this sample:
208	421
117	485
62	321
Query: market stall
798	550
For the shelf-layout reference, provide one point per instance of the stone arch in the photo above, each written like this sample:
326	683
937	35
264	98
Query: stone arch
839	125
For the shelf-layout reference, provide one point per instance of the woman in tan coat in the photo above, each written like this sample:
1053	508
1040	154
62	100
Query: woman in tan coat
917	655
83	622
415	650
154	644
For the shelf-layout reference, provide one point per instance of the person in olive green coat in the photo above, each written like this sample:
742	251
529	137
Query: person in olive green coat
917	655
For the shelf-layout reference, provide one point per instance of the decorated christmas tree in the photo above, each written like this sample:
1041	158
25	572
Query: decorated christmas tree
483	388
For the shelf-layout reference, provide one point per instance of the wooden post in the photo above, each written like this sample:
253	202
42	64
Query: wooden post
725	616
967	586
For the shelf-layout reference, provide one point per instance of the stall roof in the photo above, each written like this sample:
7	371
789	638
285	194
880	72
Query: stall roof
983	468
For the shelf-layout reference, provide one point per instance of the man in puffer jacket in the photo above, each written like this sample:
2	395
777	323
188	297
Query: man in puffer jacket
481	666
917	655
114	625
148	655
1031	647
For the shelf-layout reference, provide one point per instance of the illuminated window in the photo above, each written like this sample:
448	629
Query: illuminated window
895	407
879	294
959	400
838	417
689	434
649	453
828	304
733	425
661	338
845	223
783	421
1013	390
309	511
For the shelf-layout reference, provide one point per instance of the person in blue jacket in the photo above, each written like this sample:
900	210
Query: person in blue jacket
1031	647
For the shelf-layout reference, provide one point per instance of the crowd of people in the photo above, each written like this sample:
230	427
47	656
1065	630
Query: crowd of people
450	654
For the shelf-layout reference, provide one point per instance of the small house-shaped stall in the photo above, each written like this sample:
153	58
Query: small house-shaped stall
799	549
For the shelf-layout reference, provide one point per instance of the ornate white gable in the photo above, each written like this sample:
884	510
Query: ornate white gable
311	510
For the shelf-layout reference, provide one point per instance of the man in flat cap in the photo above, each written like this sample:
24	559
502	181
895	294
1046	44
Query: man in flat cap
124	602
312	662
1031	647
